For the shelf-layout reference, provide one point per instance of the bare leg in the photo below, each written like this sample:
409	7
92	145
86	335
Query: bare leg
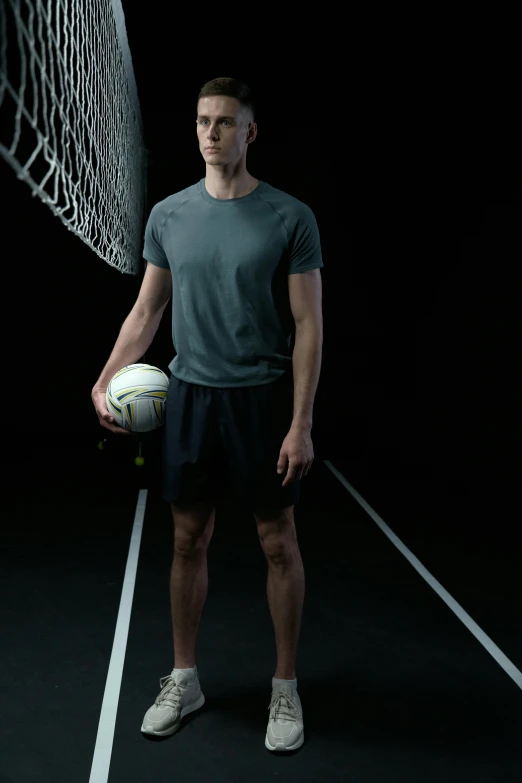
286	589
188	592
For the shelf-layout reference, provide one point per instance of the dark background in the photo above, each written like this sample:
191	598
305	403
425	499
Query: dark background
406	145
411	165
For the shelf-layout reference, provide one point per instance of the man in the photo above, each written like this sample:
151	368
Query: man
241	260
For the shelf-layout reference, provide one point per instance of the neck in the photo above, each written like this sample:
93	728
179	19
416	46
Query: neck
224	183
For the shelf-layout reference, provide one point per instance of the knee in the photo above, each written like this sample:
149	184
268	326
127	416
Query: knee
190	546
192	535
278	549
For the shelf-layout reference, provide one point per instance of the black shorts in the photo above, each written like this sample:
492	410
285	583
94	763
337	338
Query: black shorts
225	443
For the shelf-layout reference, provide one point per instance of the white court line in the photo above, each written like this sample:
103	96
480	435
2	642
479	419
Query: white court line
103	750
463	616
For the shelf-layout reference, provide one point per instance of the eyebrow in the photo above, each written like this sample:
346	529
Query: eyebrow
224	117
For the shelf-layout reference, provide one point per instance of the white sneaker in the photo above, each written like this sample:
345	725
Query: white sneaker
178	697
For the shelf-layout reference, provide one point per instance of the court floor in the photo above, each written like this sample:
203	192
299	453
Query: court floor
410	657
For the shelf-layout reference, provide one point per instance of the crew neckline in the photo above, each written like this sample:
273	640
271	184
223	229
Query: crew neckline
223	202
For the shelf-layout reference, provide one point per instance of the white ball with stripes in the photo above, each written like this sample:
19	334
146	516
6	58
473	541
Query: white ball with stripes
136	397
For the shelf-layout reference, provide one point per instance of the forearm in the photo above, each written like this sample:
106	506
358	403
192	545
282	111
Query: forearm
136	335
306	363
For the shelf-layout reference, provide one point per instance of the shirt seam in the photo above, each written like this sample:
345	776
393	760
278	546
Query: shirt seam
174	209
260	197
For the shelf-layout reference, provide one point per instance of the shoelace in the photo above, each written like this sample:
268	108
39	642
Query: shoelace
283	707
170	693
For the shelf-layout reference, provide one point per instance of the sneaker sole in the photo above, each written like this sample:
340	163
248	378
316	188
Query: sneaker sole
173	729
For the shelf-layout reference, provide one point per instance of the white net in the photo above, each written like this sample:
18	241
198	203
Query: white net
71	122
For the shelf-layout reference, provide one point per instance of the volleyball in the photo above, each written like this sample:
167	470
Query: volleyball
136	397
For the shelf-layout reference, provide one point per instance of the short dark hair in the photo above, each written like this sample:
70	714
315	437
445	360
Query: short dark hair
232	88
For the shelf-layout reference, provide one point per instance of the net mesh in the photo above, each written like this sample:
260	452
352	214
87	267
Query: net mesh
71	124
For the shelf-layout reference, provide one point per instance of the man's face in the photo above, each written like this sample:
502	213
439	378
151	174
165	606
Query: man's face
222	123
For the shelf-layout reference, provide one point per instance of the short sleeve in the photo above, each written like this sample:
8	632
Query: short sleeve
305	242
152	249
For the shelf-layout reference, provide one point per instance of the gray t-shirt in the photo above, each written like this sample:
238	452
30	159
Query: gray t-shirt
232	325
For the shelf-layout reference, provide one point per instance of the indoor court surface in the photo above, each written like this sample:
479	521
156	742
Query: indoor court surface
405	672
